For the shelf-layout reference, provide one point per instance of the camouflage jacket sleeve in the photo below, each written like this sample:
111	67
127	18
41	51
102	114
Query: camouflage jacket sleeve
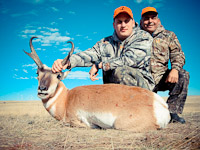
86	58
135	52
177	56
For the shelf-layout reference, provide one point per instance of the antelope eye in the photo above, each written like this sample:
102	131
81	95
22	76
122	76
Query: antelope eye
59	76
37	75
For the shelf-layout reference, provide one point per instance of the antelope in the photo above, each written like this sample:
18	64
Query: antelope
106	106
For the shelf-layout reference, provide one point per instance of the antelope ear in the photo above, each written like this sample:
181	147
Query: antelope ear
64	75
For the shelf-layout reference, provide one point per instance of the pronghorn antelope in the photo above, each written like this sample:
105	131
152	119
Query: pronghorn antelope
99	106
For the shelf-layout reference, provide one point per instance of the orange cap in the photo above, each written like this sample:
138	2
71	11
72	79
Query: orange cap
123	9
148	9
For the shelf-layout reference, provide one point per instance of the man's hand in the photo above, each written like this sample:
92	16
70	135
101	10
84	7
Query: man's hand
173	76
58	67
93	71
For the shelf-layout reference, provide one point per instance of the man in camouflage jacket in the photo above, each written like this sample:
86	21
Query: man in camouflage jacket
166	47
124	57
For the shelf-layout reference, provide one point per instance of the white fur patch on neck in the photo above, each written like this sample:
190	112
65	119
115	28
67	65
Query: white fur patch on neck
97	119
53	99
52	111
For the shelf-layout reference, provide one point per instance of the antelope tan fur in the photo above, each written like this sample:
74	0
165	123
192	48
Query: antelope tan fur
99	106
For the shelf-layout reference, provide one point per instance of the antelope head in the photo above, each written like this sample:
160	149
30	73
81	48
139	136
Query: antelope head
47	80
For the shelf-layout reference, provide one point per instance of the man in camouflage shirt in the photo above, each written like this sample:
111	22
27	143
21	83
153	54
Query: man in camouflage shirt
166	47
124	57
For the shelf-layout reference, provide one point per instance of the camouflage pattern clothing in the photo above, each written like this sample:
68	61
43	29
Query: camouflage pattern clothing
124	62
166	47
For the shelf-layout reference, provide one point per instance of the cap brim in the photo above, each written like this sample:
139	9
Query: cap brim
153	12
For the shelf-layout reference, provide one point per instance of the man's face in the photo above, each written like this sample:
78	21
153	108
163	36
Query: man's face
150	22
123	25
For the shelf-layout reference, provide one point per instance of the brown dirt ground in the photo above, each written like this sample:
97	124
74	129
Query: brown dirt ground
27	125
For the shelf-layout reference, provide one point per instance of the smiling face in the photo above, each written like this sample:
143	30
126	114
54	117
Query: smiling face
150	22
123	25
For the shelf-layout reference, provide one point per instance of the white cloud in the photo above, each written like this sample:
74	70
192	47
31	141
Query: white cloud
154	3
87	38
67	33
37	39
65	49
29	65
40	49
151	1
24	70
33	77
54	9
78	35
53	29
46	44
72	12
138	1
50	29
33	12
34	66
77	50
53	23
64	53
46	35
23	78
27	31
24	36
54	38
78	75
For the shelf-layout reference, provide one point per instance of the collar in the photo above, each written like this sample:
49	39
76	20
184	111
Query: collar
159	29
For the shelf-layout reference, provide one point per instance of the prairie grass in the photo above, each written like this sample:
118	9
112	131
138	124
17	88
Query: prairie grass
27	125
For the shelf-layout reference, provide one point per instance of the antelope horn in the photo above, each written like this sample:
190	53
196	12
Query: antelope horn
34	55
66	59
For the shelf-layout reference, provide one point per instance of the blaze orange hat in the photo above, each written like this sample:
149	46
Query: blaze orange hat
148	9
123	9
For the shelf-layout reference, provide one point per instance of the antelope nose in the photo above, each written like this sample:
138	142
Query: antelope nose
42	88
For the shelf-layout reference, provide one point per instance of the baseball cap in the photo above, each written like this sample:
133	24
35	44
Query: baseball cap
123	9
148	9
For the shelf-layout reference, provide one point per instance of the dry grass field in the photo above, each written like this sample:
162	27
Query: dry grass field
27	125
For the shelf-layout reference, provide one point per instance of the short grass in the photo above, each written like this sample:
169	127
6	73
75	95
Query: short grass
27	125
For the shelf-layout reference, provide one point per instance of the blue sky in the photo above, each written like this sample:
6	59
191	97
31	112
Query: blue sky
84	22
